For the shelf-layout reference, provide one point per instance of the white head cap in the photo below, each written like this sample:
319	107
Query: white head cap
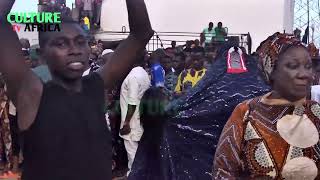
107	51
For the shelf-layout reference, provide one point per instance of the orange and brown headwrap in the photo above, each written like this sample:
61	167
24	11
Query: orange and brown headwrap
313	50
270	49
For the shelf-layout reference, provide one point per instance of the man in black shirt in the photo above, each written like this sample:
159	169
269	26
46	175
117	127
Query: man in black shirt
197	48
66	135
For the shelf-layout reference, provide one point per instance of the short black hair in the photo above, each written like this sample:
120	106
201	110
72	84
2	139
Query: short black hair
151	104
44	36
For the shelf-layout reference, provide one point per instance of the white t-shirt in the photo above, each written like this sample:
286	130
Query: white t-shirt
132	90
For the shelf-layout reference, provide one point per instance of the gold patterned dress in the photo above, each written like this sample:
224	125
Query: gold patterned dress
270	139
5	134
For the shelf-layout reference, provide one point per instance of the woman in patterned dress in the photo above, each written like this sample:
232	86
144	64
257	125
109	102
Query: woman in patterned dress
275	136
6	151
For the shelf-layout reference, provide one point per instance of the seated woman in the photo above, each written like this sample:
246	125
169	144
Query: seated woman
274	136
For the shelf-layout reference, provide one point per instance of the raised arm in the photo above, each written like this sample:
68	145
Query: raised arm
110	44
127	52
22	84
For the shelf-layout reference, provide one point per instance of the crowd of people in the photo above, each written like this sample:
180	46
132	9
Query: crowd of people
89	13
72	106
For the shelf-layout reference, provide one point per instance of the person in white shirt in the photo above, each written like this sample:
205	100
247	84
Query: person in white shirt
132	90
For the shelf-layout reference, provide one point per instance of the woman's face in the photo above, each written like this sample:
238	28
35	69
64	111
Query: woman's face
293	74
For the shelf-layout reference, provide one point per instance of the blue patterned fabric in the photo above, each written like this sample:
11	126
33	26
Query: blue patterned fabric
189	138
157	75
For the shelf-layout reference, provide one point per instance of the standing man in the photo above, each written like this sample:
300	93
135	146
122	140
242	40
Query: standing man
221	33
157	71
209	33
97	10
63	121
88	10
190	78
197	48
170	76
132	90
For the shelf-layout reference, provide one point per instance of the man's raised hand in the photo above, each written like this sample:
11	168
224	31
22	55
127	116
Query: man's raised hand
5	8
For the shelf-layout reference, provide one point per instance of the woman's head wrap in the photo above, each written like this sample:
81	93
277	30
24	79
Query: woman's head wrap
314	51
270	49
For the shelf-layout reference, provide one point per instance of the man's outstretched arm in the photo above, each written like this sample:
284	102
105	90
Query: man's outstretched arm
17	74
23	86
127	52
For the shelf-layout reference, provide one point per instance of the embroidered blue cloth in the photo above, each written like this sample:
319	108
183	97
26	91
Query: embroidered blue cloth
187	141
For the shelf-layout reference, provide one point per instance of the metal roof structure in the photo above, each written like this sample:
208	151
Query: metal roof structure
308	12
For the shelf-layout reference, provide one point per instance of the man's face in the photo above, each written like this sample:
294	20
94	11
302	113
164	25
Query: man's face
219	25
166	63
178	63
173	44
67	52
197	42
198	60
210	25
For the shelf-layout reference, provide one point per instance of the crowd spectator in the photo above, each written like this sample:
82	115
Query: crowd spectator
88	9
97	12
7	159
26	51
84	25
157	72
188	48
297	33
132	90
178	63
42	71
190	77
209	33
173	44
173	49
166	63
220	33
86	22
197	48
170	76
